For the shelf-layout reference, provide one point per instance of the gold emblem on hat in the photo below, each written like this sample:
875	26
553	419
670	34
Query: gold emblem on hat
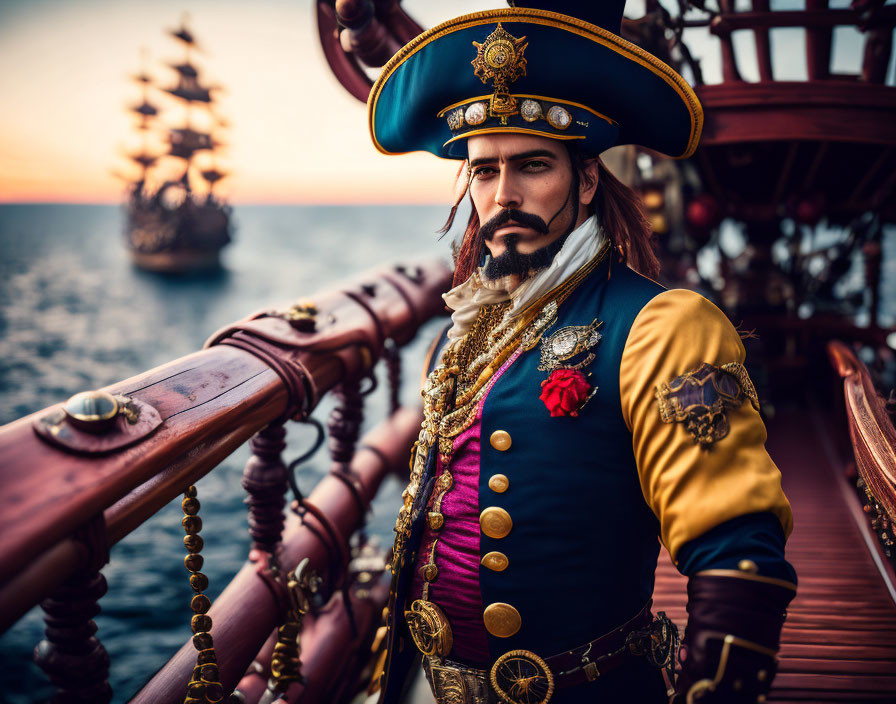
500	59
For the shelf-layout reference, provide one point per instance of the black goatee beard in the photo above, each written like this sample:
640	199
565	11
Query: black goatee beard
511	261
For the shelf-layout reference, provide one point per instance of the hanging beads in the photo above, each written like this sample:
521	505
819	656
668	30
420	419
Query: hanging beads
204	686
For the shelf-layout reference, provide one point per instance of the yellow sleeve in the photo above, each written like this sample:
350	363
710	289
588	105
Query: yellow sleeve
692	487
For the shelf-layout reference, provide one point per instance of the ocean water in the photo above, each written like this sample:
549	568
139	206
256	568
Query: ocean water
75	315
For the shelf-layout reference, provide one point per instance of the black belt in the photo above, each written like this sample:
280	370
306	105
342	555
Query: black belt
642	635
600	656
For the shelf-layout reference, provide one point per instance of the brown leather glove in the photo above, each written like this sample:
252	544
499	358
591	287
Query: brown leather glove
730	646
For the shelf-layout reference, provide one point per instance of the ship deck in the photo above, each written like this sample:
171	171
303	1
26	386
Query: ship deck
839	641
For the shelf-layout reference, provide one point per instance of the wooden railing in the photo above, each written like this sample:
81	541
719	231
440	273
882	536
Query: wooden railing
818	20
852	106
873	439
68	493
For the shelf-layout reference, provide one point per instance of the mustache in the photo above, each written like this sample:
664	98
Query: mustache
487	231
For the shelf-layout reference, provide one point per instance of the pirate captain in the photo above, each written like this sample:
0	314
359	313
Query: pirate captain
576	413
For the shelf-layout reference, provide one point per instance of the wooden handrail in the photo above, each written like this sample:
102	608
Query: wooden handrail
873	435
210	403
811	19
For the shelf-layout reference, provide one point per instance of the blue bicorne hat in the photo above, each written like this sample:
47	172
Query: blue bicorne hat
532	70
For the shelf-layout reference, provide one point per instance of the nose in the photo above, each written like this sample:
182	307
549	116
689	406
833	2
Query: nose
507	194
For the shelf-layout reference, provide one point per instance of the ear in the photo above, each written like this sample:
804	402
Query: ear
588	182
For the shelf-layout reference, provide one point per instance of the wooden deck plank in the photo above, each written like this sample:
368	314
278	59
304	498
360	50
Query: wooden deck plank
839	641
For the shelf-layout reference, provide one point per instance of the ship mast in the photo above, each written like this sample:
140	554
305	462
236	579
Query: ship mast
146	111
185	141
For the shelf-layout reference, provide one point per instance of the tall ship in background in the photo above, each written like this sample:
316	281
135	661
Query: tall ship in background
175	221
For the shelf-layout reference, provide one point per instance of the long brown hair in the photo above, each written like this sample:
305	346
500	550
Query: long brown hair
619	209
621	213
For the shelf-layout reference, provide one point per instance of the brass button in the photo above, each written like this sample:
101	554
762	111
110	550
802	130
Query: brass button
748	566
495	561
500	440
499	483
429	572
501	620
495	522
436	520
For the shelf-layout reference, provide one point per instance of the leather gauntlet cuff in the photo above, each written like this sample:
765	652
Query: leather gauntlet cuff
729	651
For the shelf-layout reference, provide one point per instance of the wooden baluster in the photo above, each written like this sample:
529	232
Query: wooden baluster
730	74
878	40
763	45
878	47
265	479
344	424
818	45
71	655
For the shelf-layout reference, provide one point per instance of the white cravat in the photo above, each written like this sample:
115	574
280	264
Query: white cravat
465	299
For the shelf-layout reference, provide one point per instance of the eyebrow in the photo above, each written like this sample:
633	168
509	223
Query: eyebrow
516	157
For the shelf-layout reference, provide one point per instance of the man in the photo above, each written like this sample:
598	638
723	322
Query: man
578	411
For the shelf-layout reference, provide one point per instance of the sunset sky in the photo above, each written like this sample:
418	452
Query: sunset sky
296	136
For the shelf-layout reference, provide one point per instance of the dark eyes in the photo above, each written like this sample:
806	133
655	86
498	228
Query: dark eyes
529	166
481	172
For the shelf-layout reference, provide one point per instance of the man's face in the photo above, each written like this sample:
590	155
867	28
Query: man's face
521	187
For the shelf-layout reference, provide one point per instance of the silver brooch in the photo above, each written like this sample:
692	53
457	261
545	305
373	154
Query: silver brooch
566	344
476	114
531	110
559	118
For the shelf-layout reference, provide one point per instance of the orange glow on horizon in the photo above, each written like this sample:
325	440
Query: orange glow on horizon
295	134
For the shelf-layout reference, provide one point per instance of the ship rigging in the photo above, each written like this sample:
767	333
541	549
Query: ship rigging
175	222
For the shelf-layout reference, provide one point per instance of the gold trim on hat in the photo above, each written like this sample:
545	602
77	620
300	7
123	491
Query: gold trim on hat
513	130
549	19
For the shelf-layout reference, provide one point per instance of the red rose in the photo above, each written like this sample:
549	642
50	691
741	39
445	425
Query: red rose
565	392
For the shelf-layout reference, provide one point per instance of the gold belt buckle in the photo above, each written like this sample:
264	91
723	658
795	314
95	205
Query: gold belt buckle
429	628
456	685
